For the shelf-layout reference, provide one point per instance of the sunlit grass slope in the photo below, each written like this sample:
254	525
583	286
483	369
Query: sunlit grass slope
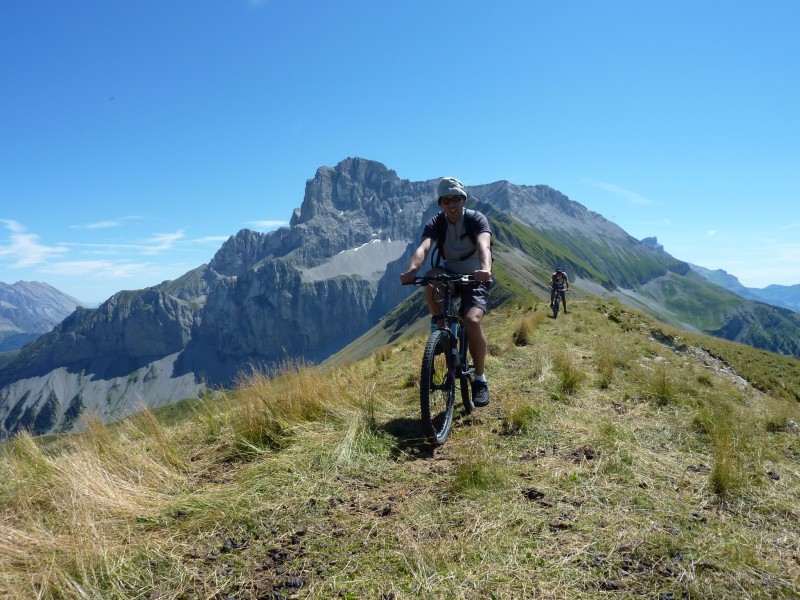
618	458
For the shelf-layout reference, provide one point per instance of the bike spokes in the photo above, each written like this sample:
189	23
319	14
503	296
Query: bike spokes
437	387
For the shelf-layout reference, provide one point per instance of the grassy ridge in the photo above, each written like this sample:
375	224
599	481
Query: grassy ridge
618	458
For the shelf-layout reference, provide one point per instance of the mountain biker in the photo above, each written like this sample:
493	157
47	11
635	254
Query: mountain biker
463	238
559	281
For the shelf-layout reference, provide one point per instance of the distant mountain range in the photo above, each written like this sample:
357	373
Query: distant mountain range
303	292
787	296
29	309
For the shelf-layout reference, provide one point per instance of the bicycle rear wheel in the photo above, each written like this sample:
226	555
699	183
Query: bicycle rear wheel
466	399
437	387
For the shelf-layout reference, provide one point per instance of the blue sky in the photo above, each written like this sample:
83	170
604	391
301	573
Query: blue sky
138	136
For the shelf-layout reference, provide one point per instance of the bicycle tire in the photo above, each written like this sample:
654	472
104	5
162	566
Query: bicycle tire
464	380
556	305
437	387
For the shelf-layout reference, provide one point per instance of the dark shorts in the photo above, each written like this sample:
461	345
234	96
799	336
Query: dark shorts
471	295
474	295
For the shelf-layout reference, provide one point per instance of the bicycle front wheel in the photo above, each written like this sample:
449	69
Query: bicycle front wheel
436	387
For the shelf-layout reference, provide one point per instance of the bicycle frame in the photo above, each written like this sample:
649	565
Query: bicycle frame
455	321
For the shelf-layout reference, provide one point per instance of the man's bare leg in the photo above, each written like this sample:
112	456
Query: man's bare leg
477	339
434	297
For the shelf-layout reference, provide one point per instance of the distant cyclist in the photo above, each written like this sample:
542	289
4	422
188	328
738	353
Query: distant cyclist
463	237
559	282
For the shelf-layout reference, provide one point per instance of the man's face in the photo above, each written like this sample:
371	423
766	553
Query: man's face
452	205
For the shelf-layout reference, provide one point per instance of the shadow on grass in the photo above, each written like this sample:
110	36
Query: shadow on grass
410	439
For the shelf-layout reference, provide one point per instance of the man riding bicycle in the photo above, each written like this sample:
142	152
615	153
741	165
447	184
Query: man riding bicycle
559	282
463	239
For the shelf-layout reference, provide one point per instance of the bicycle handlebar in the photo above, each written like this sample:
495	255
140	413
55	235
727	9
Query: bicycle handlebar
444	277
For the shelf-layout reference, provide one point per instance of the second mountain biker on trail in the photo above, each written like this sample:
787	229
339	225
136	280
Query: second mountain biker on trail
559	283
463	239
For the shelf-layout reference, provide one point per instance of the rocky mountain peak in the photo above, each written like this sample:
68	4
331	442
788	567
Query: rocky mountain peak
653	243
239	253
350	186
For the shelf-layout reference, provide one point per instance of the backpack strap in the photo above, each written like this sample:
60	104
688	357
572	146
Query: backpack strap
438	243
470	228
470	224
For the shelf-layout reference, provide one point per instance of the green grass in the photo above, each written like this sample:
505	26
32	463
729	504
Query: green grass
618	458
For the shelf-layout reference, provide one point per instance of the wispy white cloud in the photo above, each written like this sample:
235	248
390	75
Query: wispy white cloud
211	239
267	224
107	224
630	196
24	249
161	242
711	233
96	269
790	226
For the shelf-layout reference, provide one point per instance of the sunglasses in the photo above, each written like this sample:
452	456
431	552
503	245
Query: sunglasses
445	200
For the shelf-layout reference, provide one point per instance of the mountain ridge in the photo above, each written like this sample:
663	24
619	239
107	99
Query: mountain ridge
268	298
30	308
785	296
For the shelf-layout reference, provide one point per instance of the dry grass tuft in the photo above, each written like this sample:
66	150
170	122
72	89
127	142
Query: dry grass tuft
522	415
570	376
268	410
659	386
68	512
523	335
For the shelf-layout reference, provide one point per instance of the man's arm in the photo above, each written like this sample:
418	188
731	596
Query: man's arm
483	242
417	260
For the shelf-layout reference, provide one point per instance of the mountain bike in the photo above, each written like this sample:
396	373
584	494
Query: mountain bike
557	300
445	362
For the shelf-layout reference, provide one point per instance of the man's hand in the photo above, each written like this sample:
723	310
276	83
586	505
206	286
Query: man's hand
482	276
408	276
